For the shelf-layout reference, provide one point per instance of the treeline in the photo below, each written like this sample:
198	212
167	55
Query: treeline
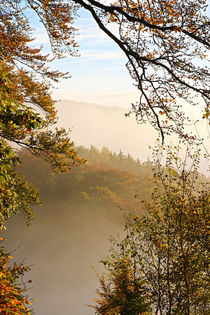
119	161
116	179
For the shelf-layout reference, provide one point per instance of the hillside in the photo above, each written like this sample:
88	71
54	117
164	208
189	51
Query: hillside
106	177
79	212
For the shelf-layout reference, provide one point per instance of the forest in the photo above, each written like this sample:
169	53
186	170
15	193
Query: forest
158	262
70	231
113	179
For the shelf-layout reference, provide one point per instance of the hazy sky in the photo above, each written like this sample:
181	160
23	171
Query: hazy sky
99	75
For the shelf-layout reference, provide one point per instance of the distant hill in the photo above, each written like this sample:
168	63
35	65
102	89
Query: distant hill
117	179
71	230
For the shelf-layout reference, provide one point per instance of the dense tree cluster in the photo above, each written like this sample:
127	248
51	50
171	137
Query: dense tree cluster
165	252
109	179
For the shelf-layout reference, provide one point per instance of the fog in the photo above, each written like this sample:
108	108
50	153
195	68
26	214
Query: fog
107	126
104	126
64	241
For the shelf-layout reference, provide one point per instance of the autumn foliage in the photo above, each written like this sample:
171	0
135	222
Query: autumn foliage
27	111
27	115
12	289
166	251
166	44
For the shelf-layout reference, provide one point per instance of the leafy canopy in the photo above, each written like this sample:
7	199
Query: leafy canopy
12	298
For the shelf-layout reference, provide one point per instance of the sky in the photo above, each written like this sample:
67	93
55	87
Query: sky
99	74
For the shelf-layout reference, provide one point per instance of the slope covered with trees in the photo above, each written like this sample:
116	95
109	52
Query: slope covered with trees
114	178
71	229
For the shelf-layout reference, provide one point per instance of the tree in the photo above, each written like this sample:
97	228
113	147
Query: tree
124	293
27	114
16	194
165	43
12	289
168	248
27	111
